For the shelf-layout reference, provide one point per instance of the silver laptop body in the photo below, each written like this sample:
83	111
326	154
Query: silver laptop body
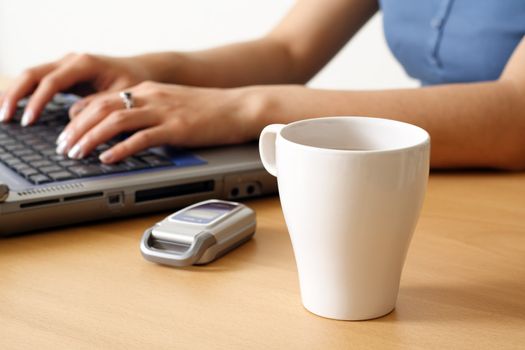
234	172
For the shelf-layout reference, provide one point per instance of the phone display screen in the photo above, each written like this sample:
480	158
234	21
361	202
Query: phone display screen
204	214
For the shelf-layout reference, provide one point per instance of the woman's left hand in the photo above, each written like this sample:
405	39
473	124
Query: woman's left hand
162	115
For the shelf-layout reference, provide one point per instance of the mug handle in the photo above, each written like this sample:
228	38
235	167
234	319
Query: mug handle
267	147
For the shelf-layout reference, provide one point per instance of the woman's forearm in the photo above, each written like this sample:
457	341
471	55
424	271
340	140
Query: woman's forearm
471	125
296	49
261	61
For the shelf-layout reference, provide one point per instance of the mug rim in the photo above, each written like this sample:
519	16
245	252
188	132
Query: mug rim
425	141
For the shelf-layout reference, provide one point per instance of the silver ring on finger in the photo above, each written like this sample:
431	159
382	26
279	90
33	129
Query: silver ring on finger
127	99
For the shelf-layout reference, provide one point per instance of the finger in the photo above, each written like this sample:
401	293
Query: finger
78	106
90	116
1	101
22	86
3	111
137	142
116	123
68	74
81	104
85	106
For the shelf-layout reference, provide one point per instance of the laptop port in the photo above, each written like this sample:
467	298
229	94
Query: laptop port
174	191
39	203
234	192
245	190
115	198
83	196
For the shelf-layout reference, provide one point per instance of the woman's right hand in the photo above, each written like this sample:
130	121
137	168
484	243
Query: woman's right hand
102	73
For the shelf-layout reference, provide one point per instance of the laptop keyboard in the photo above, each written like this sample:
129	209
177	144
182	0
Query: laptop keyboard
30	151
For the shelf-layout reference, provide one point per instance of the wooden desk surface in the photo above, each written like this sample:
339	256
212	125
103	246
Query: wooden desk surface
87	287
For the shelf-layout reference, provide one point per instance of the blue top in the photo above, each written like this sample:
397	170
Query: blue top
448	41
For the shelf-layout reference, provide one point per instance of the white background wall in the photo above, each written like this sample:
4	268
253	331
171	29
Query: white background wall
35	31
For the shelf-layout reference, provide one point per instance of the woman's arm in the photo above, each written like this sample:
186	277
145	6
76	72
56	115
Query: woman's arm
471	125
294	51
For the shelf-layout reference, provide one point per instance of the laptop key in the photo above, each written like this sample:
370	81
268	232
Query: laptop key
26	137
56	157
134	164
50	169
91	160
41	163
32	158
33	140
113	168
27	172
156	161
12	162
20	166
23	152
70	162
85	170
7	142
61	175
5	155
14	147
52	153
39	179
40	146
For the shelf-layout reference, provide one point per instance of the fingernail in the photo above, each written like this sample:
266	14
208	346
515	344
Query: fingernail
27	118
106	157
64	135
75	152
61	148
3	112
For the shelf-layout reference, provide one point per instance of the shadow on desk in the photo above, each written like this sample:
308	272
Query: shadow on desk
108	240
473	172
465	302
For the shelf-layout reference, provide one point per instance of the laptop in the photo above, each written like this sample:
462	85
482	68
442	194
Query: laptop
41	189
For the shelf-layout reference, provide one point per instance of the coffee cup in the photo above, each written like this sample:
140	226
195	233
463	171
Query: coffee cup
351	190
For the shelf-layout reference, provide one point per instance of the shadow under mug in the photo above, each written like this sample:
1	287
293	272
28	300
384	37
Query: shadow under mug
351	189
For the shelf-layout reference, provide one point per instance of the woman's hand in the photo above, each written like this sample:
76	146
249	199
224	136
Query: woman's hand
162	114
102	73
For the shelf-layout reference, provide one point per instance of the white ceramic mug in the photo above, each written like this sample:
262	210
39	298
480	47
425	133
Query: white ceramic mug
351	189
